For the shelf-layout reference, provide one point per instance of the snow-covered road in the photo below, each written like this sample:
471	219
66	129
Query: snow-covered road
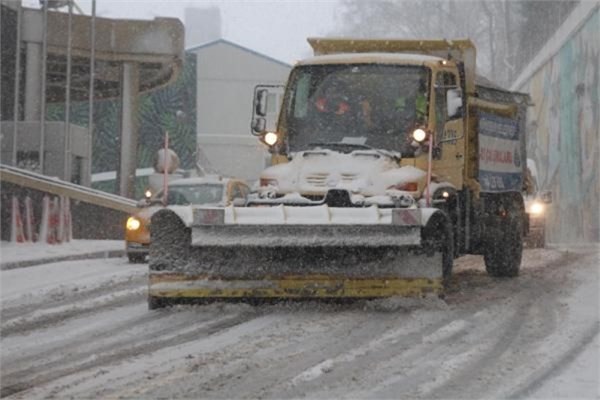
81	329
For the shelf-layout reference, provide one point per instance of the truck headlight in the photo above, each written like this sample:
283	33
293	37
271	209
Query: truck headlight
264	182
133	224
270	138
419	135
536	208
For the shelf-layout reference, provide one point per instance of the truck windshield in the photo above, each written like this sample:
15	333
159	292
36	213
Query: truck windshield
369	104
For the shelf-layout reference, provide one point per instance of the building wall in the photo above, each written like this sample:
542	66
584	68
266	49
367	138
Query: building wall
226	77
564	130
28	146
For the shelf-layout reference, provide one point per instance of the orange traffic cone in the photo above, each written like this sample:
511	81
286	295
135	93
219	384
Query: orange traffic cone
54	222
29	233
49	223
16	233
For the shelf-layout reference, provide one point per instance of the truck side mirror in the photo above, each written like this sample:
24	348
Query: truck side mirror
260	102
265	108
259	125
546	196
454	103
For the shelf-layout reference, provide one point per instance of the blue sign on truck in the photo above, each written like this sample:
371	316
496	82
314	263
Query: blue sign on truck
500	160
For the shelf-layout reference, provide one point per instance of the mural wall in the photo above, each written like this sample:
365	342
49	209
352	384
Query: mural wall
564	134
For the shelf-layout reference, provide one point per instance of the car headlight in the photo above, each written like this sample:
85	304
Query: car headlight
536	208
133	224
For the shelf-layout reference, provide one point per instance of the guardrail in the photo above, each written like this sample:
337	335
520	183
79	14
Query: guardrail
59	187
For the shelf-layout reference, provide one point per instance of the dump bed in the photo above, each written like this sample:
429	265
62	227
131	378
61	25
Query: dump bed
461	50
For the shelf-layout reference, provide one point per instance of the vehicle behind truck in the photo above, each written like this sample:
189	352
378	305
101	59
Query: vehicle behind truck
537	203
390	159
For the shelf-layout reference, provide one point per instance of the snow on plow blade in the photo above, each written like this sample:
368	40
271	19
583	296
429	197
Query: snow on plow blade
290	252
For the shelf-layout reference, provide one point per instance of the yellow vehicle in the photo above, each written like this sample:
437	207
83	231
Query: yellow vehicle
390	159
214	191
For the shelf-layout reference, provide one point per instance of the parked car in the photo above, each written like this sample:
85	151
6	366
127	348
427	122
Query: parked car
206	190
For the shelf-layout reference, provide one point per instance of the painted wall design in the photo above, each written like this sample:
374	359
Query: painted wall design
563	134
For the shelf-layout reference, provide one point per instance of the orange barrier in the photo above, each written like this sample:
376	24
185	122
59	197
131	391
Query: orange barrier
16	233
29	222
55	225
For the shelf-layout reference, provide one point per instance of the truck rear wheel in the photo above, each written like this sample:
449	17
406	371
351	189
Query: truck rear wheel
504	245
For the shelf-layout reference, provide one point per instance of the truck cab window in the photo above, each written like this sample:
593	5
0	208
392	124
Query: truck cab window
376	105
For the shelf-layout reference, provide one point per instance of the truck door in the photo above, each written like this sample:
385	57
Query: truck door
449	136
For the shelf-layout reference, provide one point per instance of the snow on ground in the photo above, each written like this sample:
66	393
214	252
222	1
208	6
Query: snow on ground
18	252
79	273
578	379
81	329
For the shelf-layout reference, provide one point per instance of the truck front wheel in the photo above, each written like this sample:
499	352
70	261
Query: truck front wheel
155	303
437	236
504	244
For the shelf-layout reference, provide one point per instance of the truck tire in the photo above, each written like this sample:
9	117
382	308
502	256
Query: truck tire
437	236
504	244
136	258
155	303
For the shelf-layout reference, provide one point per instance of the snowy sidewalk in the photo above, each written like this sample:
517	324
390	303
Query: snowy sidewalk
18	255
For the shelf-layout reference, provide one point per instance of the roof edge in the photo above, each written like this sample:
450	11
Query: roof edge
238	46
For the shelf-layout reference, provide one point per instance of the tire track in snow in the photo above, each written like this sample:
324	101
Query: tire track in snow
534	318
61	314
147	326
132	377
280	365
33	376
457	383
74	295
398	366
251	362
451	355
45	351
557	366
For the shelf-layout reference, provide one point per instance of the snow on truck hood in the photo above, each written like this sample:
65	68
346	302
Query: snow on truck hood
368	172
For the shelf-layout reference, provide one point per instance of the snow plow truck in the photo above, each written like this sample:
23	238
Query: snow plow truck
390	158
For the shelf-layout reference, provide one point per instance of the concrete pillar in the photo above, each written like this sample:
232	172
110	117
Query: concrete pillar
130	80
33	82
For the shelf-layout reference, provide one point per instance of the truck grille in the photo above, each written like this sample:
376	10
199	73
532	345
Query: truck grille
319	180
347	178
322	179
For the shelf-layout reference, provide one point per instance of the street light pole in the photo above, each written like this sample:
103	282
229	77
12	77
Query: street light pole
17	85
43	88
67	157
91	90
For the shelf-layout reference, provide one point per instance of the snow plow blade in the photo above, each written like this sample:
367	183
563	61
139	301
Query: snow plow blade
256	253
